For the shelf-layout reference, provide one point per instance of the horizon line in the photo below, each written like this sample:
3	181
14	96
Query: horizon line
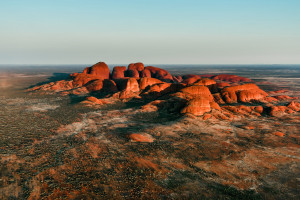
158	64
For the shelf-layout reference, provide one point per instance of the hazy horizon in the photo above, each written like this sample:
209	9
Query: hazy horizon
164	32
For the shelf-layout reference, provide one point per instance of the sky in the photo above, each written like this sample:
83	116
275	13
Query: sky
150	31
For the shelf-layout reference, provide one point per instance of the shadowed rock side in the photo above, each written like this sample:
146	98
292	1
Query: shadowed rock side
207	96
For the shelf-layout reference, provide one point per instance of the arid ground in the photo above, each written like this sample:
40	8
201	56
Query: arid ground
54	147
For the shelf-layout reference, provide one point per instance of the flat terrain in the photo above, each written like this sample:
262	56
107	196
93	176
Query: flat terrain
54	147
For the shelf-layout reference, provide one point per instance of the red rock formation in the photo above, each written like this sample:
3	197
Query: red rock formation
145	82
197	106
278	111
129	84
93	101
146	73
61	85
205	82
136	66
152	106
218	98
242	93
283	97
137	137
133	73
200	100
258	109
277	133
190	95
191	80
82	79
102	86
294	106
118	72
222	85
231	78
160	89
270	99
187	76
207	116
198	91
278	91
159	73
100	70
95	85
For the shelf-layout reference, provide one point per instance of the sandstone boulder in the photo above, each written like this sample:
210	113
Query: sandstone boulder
191	80
278	133
82	79
159	73
242	93
141	137
133	73
94	85
198	91
118	72
100	70
197	106
136	66
145	82
129	84
146	73
99	85
160	89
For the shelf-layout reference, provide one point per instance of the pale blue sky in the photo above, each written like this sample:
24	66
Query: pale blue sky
151	31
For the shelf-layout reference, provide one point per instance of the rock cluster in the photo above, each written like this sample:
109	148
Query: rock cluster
211	96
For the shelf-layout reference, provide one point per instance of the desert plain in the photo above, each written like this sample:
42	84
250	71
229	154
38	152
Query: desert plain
149	135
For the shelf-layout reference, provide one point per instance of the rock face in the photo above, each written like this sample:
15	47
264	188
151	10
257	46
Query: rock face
133	73
197	106
231	78
221	97
145	82
100	85
118	72
205	82
200	100
136	66
242	93
198	91
100	70
129	84
159	73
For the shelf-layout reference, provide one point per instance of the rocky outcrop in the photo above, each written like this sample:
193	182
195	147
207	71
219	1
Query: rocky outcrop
294	105
210	96
145	82
136	66
99	70
205	82
137	137
198	91
242	93
133	73
231	78
159	73
118	72
197	106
